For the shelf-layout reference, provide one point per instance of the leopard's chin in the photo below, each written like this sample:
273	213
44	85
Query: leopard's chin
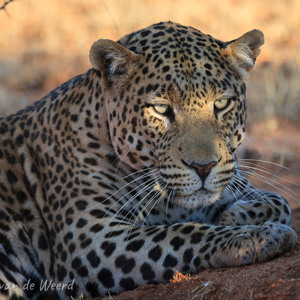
200	198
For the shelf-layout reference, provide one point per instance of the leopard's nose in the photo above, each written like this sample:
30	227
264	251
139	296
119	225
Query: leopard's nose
202	169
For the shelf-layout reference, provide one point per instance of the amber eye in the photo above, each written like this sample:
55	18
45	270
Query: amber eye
221	104
162	109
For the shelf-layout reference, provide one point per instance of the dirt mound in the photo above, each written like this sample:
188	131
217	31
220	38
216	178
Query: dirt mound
277	279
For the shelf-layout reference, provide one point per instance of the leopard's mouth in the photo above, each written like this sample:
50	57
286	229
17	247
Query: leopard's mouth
201	197
198	198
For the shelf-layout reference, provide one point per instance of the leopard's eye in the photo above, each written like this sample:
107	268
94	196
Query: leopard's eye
162	109
221	104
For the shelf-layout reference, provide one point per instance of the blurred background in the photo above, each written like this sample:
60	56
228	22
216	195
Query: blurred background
44	43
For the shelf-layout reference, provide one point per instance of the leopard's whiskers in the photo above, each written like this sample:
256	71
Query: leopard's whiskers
161	195
119	163
253	164
263	170
139	203
252	143
264	161
143	209
252	190
171	195
149	173
138	171
149	184
270	182
230	190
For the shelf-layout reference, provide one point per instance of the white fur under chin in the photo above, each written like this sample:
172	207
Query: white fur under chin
199	198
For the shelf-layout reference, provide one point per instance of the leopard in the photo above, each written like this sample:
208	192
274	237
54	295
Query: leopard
128	173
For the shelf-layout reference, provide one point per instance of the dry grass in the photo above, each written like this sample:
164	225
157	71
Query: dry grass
274	92
44	43
200	291
178	277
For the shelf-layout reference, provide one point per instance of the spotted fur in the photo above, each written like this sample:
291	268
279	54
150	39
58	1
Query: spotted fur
127	172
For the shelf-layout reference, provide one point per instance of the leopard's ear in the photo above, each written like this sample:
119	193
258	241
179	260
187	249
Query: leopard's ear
243	51
114	61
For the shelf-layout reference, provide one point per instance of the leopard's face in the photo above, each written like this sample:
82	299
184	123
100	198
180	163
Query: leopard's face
180	110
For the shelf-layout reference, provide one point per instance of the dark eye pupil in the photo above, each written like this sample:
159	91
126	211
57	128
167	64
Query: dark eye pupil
170	114
167	109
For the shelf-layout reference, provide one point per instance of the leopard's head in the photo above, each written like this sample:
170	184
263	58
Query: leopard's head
176	102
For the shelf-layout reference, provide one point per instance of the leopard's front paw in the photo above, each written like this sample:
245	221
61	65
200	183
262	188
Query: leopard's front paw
274	239
251	244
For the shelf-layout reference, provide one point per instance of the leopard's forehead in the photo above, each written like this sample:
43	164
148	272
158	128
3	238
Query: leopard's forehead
184	58
172	36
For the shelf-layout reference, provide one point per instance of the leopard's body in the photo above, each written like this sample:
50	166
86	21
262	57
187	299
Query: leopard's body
126	173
